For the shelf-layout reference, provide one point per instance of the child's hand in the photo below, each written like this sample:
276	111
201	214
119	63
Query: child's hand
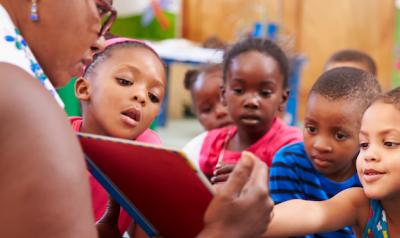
221	174
242	206
107	226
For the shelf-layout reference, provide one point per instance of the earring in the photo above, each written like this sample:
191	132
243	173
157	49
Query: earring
34	15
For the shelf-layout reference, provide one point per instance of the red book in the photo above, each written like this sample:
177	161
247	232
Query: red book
159	187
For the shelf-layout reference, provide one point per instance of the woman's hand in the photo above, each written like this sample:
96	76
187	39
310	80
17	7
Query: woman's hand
242	206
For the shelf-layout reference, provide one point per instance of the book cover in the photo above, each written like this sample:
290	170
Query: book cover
159	187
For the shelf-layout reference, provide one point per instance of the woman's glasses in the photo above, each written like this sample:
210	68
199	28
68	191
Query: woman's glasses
108	15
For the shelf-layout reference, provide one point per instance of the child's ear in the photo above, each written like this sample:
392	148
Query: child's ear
222	97
285	96
82	89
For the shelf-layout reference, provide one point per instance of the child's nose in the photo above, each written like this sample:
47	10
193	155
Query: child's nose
369	154
221	111
252	101
322	145
140	98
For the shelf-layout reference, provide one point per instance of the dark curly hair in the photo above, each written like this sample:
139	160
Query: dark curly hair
391	97
262	45
347	83
192	74
350	55
101	56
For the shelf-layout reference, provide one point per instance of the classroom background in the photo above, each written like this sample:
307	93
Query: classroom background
187	32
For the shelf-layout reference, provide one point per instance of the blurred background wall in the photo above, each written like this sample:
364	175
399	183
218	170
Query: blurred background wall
312	28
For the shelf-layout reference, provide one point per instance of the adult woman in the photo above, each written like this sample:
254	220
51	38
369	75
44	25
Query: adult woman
44	189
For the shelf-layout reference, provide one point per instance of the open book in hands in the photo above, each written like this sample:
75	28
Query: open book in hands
159	187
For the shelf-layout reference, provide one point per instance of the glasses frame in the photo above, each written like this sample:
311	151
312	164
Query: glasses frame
108	11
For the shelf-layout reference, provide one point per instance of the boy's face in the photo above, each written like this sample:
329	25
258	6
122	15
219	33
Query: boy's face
125	94
253	92
331	135
207	101
378	163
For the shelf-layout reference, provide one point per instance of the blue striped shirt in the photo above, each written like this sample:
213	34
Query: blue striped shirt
292	176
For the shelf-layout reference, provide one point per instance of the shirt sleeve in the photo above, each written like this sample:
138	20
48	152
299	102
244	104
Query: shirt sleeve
193	147
284	181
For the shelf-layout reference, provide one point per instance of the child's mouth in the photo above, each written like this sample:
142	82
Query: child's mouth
131	116
371	175
250	120
322	163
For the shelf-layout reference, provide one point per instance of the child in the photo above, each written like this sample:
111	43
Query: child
324	164
373	210
352	58
204	85
255	75
120	94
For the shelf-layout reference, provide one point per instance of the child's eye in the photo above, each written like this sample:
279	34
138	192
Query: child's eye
390	144
238	90
311	129
340	136
205	110
124	82
154	98
364	145
266	93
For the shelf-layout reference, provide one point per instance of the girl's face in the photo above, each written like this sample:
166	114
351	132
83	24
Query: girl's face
207	101
331	135
125	93
254	92
378	163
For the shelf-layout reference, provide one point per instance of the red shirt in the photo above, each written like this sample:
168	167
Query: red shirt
214	146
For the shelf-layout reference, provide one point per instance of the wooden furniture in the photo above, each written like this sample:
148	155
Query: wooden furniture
314	28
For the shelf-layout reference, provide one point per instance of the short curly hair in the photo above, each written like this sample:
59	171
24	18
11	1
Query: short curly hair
103	55
347	83
391	97
192	74
356	56
262	45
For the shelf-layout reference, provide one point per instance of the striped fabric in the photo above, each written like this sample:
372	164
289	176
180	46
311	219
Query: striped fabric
292	176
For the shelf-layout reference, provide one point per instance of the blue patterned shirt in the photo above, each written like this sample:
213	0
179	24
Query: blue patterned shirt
292	176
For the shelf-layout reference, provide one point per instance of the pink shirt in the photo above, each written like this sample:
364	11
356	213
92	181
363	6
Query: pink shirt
99	194
276	137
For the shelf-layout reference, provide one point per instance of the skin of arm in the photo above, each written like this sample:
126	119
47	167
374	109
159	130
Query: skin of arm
347	208
44	183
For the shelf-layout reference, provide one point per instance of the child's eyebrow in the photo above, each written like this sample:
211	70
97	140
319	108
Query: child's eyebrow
129	67
268	82
389	131
158	83
309	120
240	80
347	129
385	132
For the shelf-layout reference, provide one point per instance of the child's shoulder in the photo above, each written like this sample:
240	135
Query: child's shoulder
292	152
286	133
220	134
293	147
